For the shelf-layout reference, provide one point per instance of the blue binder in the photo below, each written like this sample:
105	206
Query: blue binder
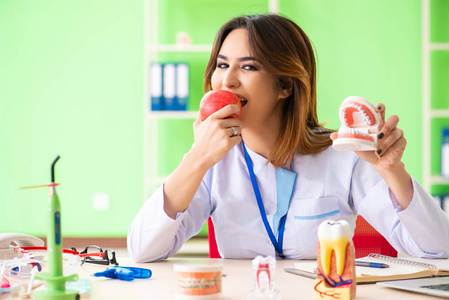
182	86
169	86
155	76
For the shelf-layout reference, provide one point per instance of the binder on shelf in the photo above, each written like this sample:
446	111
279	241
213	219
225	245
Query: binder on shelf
157	101
169	86
182	86
445	152
445	204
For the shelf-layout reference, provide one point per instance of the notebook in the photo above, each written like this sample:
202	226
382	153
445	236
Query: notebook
399	268
437	286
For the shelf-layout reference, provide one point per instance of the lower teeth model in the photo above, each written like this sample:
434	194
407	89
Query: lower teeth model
360	124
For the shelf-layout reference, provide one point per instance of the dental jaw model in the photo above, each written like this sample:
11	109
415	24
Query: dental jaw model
336	262
360	124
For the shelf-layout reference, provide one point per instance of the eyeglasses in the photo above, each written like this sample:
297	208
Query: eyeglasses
95	255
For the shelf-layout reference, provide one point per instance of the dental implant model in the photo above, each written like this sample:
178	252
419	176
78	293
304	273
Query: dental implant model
360	124
336	262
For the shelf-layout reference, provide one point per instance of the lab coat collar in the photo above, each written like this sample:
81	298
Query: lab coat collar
259	162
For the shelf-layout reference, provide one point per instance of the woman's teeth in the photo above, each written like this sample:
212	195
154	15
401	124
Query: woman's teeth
243	101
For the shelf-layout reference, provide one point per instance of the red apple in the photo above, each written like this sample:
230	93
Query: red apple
215	100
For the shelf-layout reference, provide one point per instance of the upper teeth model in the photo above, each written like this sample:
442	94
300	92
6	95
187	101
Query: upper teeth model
360	124
333	236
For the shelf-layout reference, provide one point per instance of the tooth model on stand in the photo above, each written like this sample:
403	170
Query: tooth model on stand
336	262
360	124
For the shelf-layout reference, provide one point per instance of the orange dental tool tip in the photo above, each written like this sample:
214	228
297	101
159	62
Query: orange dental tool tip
42	185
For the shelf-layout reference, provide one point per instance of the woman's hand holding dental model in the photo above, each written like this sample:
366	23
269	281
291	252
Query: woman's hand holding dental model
386	159
391	143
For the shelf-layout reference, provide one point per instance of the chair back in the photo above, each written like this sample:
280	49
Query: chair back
366	240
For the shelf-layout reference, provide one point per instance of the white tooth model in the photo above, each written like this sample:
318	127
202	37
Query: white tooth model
263	270
360	124
333	236
336	262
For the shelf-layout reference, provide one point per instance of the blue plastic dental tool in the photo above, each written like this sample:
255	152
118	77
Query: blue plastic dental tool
124	273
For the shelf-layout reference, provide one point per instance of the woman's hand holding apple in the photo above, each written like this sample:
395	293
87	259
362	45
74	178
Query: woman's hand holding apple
217	127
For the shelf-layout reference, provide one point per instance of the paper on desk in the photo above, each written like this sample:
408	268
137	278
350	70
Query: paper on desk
398	269
311	267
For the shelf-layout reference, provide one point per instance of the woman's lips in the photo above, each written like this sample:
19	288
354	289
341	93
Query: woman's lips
243	100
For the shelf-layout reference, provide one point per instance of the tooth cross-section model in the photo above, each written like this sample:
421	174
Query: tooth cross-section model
360	124
263	270
336	262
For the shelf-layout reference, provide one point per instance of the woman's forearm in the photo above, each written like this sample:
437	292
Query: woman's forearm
183	183
400	183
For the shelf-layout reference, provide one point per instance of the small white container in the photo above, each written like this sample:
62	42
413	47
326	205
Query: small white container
202	282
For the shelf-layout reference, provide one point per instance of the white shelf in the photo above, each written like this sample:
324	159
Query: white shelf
439	180
173	114
439	113
439	46
179	48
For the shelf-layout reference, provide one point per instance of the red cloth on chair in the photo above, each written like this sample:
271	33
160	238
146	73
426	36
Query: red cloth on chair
213	249
366	240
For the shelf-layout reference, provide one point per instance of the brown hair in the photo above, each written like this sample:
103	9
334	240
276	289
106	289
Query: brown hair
284	50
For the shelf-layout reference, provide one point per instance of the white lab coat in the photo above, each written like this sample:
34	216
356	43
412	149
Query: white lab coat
330	185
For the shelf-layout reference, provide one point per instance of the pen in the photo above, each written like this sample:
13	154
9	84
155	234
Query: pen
370	264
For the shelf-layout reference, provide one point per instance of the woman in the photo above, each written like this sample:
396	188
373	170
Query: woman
268	62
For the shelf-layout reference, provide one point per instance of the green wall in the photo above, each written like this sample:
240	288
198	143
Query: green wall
71	83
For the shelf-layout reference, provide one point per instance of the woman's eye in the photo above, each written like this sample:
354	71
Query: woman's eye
222	65
250	68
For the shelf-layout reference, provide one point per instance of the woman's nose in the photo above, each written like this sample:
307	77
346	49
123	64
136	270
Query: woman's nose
230	79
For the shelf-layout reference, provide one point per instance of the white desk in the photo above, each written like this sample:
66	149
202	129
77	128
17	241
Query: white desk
237	282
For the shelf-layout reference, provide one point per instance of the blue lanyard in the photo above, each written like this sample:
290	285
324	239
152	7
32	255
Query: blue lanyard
277	244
